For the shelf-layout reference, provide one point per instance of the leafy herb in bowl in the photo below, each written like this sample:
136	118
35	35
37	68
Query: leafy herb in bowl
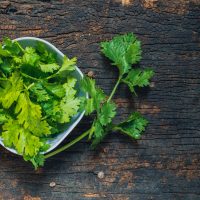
39	97
124	51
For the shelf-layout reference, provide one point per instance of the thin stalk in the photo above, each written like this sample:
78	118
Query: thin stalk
68	145
3	79
52	76
115	88
27	76
31	85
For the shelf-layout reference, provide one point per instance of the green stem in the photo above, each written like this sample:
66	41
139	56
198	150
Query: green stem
115	88
31	85
52	76
3	79
27	76
68	145
85	133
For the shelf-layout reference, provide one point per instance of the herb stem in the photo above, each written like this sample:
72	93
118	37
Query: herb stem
52	76
115	88
27	76
3	79
68	145
31	85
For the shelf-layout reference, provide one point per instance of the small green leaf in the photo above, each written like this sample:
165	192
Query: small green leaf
67	66
29	115
133	54
107	113
12	46
98	134
3	116
15	135
40	92
10	90
49	67
37	160
52	110
69	104
96	95
4	53
138	77
133	126
6	66
56	89
123	50
30	56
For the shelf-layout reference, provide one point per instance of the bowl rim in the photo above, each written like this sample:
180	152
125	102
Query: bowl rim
72	126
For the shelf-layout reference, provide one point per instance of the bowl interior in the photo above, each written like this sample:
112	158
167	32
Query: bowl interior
55	141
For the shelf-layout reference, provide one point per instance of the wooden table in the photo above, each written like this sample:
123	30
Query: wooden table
164	164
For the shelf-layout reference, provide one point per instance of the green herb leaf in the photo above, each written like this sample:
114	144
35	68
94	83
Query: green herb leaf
13	47
138	77
69	104
133	126
3	52
56	89
107	113
15	135
123	50
67	66
96	95
98	133
40	92
30	56
52	110
3	117
30	116
49	67
10	90
37	161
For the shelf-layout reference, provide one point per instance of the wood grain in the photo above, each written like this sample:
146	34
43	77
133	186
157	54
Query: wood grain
165	163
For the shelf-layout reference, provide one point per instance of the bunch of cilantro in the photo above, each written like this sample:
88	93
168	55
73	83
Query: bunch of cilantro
38	80
37	98
123	51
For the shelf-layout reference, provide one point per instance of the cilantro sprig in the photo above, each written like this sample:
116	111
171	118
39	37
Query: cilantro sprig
124	51
38	96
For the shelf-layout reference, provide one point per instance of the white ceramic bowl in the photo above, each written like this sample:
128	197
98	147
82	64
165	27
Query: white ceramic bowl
32	41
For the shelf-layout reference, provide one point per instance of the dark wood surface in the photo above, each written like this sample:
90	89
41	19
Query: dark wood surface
164	164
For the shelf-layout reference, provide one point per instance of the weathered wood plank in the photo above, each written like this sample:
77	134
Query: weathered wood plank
165	163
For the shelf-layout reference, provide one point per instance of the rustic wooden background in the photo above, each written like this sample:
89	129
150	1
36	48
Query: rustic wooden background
164	164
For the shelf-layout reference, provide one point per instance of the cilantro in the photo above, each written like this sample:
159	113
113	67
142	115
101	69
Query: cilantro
69	104
38	91
3	117
16	135
30	56
98	133
38	96
14	48
68	65
96	95
10	90
107	113
138	77
30	116
49	67
37	160
124	51
133	126
35	101
57	90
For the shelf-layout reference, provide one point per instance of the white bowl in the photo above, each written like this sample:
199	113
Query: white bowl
32	41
